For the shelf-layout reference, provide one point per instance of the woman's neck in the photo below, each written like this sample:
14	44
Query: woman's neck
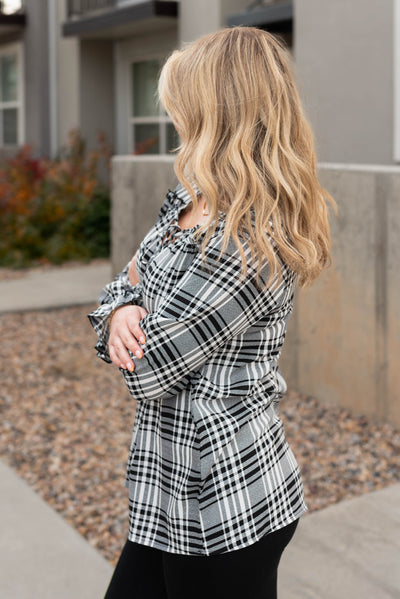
189	218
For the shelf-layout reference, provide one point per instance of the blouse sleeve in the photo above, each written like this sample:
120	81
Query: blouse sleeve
117	293
208	306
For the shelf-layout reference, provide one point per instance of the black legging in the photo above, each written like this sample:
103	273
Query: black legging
250	573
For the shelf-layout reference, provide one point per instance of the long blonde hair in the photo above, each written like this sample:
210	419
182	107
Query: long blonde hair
247	145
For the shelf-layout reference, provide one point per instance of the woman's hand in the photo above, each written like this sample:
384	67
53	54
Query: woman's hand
125	333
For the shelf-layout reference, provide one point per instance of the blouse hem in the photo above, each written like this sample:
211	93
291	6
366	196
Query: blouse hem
163	547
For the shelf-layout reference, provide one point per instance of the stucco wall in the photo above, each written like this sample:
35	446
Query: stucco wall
343	341
344	55
36	72
97	94
68	79
199	18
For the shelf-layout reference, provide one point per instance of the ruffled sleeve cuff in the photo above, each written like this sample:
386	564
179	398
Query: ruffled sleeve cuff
100	318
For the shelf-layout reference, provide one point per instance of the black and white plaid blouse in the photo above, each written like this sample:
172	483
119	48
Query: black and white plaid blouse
209	468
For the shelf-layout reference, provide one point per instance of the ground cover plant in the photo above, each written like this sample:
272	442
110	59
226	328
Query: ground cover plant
55	210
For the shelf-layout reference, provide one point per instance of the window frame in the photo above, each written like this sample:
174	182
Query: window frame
162	120
15	49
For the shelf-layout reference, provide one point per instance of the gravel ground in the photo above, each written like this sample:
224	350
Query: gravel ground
66	420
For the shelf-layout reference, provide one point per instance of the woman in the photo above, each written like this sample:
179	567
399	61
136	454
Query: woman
198	319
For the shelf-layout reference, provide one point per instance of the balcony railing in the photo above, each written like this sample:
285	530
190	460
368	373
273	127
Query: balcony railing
80	8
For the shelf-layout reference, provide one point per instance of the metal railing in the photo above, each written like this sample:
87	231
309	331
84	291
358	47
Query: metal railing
79	8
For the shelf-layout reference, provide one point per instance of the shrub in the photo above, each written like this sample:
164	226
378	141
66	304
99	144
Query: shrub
55	210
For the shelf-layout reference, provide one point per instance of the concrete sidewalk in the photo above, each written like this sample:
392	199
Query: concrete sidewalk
54	288
40	554
348	551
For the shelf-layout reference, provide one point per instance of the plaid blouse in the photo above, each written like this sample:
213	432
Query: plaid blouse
209	468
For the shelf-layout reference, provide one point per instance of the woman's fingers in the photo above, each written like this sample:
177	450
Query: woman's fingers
136	331
120	357
125	333
129	341
131	335
118	349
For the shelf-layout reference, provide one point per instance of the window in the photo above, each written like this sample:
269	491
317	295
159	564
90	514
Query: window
10	97
152	131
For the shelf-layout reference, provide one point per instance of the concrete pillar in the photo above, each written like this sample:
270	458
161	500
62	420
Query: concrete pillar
391	323
343	339
139	186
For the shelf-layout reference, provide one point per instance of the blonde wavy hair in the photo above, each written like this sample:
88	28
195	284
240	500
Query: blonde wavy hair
247	145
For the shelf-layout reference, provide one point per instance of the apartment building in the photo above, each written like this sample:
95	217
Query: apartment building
122	45
93	64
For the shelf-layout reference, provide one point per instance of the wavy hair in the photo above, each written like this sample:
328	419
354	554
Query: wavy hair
247	145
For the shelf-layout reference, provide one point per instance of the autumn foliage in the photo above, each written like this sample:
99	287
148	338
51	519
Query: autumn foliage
54	210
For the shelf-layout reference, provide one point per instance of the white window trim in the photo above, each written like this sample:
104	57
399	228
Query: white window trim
15	48
161	119
396	81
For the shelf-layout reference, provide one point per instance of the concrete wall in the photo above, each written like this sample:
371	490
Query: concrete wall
343	341
344	55
139	185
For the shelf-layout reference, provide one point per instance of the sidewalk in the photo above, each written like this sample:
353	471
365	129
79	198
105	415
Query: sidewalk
350	550
40	554
54	288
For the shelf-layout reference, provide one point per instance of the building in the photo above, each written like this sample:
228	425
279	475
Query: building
93	65
122	45
12	78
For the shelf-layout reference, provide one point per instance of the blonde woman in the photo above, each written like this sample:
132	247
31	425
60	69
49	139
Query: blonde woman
198	319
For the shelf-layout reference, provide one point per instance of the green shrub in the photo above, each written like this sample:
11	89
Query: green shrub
55	210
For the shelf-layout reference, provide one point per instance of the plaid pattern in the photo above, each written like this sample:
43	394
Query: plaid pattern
209	468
